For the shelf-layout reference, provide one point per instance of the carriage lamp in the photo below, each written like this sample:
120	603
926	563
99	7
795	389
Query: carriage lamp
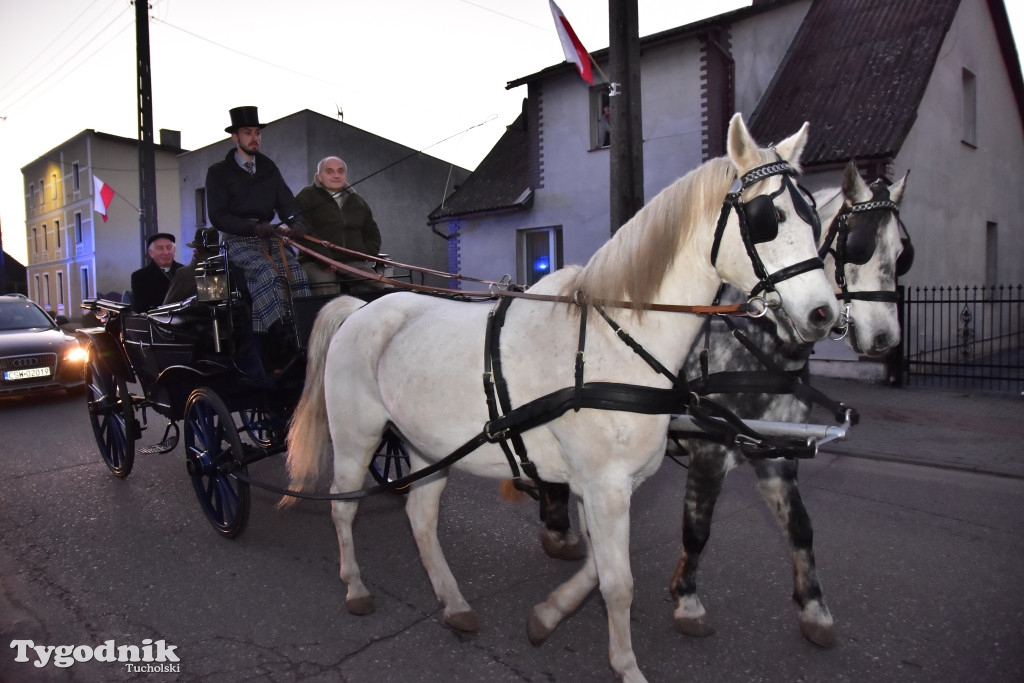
212	279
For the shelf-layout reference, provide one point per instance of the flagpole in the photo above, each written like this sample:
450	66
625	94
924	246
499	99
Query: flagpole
601	73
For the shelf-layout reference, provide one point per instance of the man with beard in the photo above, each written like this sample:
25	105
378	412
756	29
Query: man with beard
243	194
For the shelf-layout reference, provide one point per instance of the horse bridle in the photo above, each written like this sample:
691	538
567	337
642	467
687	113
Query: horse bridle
759	219
857	246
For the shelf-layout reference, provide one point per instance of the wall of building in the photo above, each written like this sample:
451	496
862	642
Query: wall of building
101	262
574	191
955	188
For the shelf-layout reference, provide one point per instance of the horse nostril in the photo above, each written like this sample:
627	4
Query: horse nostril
880	344
820	316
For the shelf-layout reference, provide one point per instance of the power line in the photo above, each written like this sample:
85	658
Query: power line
38	88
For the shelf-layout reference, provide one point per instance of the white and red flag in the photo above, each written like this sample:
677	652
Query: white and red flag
571	45
103	194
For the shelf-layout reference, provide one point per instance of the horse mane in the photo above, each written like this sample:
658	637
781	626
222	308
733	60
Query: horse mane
631	265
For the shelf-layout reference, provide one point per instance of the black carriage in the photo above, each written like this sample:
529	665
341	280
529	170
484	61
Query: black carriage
192	362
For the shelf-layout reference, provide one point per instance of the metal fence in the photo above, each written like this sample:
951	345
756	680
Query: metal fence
963	337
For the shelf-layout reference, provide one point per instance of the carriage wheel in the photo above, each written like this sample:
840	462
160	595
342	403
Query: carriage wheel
261	426
112	417
214	451
390	461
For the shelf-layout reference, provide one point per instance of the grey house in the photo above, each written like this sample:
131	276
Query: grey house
400	184
929	85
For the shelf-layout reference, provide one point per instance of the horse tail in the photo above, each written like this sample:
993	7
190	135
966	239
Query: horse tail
308	436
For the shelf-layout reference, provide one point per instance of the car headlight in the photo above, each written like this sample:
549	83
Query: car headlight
76	354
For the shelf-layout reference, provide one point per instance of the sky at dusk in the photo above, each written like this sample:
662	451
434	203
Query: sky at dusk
418	72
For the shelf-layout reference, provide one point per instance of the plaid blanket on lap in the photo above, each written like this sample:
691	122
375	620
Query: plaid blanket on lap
267	282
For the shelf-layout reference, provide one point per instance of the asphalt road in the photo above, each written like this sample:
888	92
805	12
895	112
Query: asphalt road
921	568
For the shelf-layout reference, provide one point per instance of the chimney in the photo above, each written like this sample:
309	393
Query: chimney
170	138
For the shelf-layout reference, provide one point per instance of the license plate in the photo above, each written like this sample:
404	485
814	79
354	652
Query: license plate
25	374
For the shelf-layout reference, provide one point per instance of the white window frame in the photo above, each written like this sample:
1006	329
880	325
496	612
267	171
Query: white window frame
555	249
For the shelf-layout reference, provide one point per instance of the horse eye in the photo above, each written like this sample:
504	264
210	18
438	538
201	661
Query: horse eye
780	216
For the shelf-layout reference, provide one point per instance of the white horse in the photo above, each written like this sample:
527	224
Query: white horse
416	362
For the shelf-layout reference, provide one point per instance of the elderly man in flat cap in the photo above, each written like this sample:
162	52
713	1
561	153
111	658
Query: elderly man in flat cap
243	194
150	283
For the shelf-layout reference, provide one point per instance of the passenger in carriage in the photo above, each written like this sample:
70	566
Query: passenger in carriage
150	283
243	194
337	214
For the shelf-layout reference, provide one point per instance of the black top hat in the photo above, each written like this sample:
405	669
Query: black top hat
206	238
243	117
159	235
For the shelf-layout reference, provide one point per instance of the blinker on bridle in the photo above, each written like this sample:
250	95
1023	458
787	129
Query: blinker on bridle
856	246
759	222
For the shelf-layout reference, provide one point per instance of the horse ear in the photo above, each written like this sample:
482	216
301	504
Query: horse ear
854	187
743	149
896	189
792	147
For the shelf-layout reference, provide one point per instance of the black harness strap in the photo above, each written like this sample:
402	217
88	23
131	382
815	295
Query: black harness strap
771	380
653	362
446	462
494	380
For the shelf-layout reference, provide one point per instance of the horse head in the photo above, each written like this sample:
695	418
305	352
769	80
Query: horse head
865	249
765	241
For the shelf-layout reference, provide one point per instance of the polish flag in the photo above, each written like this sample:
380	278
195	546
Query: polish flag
571	45
103	194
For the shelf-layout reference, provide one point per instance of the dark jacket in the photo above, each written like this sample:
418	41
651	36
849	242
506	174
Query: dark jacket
237	201
350	226
149	286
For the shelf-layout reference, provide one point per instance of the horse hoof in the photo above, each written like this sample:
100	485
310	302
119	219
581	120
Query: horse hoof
822	635
361	606
561	546
697	627
462	621
536	631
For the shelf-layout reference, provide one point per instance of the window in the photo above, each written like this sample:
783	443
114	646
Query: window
31	195
75	182
56	232
86	289
539	252
39	289
46	291
970	109
53	178
60	290
78	227
600	117
201	207
42	194
991	253
35	241
46	243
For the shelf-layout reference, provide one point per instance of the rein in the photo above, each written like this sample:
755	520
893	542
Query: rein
756	307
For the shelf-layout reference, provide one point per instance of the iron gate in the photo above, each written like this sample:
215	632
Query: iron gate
963	337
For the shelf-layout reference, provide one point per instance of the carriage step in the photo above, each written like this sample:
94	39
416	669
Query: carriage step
168	444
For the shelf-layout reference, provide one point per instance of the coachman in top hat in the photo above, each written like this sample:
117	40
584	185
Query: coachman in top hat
243	194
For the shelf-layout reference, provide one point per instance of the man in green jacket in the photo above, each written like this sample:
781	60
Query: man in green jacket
335	213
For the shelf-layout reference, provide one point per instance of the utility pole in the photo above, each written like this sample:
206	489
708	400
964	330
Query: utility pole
627	148
147	160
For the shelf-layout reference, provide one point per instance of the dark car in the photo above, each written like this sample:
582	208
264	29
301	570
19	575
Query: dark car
35	353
